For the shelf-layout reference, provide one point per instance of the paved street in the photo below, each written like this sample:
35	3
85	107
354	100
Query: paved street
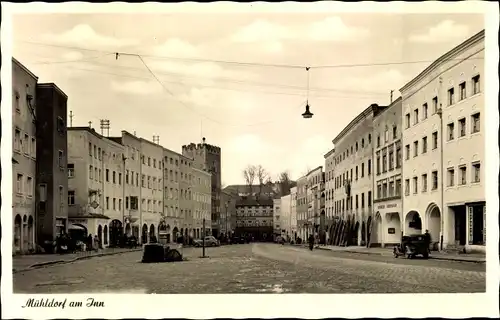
255	268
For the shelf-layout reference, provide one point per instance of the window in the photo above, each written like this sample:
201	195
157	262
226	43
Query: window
107	175
114	176
95	152
119	204
33	147
99	154
398	157
384	163
60	125
435	105
378	163
434	180
19	183
119	178
369	199
391	160
369	166
91	172
378	141
476	171
386	135
424	145
394	132
476	85
434	140
407	187
391	189
463	92
415	185
451	177
415	148
379	191
71	197
407	151
362	170
356	172
29	186
451	131
424	182
143	181
398	187
463	175
100	175
415	116
26	144
90	149
71	170
407	120
425	110
114	203
17	102
61	195
17	140
451	96
149	162
476	123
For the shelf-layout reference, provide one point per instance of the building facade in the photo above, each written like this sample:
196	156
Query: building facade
228	202
302	204
95	187
277	223
202	196
384	228
315	197
329	191
208	157
52	160
443	112
285	227
254	218
24	155
353	176
293	213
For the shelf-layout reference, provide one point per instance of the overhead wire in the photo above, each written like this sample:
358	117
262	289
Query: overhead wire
73	61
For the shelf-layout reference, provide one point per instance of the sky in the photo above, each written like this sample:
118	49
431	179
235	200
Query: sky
239	80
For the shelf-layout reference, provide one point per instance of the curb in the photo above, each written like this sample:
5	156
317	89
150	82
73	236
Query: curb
430	257
49	263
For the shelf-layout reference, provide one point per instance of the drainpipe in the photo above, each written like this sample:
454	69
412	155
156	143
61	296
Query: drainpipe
139	201
441	151
123	196
373	192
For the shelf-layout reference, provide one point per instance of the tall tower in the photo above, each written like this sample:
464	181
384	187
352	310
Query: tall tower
208	157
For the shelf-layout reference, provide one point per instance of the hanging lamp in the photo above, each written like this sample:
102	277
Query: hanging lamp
307	114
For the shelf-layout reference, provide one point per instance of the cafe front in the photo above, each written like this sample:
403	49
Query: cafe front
385	224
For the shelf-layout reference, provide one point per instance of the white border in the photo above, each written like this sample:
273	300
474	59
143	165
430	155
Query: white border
307	306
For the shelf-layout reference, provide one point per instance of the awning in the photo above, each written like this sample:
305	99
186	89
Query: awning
76	227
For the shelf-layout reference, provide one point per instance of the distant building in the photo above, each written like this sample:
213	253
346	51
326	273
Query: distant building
293	213
254	218
208	157
302	207
228	214
444	143
277	217
24	155
285	229
52	160
202	196
329	191
316	218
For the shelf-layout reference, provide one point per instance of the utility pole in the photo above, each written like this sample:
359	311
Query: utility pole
123	197
71	118
203	253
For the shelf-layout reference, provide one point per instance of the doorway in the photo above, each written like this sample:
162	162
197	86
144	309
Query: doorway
477	225
460	225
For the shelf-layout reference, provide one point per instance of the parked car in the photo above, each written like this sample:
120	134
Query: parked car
210	241
237	240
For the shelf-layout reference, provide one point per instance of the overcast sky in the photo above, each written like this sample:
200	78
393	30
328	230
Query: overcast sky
256	108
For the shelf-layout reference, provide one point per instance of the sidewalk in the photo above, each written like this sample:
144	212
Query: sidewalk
28	262
388	252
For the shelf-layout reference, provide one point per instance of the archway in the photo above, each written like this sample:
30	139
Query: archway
135	231
413	223
17	233
355	234
24	234
144	237
31	233
182	232
128	229
115	231
78	232
152	233
174	234
433	217
363	233
105	235
99	235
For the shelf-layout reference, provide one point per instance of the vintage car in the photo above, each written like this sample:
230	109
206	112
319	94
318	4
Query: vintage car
210	241
412	245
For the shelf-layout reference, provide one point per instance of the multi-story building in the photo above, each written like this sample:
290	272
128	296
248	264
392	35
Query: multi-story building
293	213
443	112
315	192
151	189
95	186
228	203
171	175
208	157
302	204
52	159
24	159
185	195
286	231
353	175
254	218
384	228
132	211
277	223
329	190
201	194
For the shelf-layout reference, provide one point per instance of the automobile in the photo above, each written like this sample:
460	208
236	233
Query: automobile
237	240
210	241
411	246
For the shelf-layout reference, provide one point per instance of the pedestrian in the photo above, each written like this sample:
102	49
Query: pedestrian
96	243
311	242
428	240
89	243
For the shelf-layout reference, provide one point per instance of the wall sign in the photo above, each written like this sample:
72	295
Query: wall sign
484	224
470	212
391	230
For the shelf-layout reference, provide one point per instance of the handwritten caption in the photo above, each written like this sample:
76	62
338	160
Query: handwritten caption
63	303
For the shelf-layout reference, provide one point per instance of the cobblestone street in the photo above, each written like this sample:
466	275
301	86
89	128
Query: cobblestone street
255	268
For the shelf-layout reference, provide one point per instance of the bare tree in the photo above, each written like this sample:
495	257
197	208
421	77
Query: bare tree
249	175
262	176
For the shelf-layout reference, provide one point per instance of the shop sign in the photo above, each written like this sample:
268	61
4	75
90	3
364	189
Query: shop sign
391	230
